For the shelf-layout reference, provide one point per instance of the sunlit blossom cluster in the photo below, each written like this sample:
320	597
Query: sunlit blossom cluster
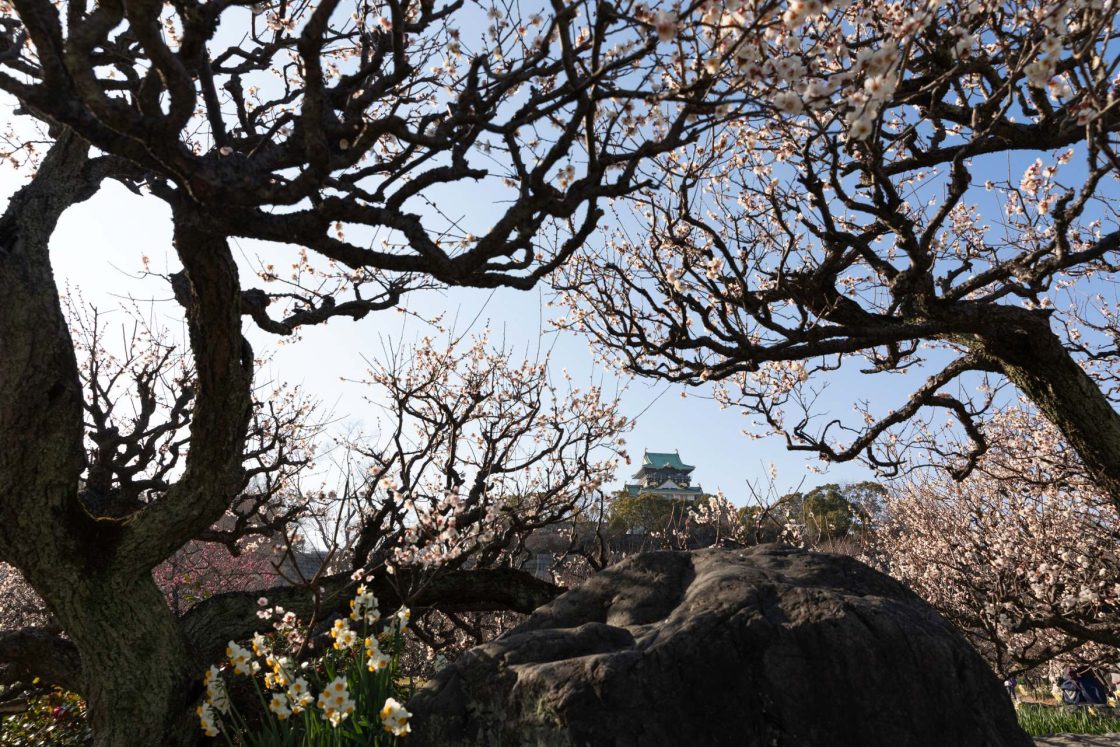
1022	555
335	701
364	606
850	195
394	717
376	659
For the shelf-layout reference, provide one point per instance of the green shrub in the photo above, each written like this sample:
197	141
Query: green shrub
1040	720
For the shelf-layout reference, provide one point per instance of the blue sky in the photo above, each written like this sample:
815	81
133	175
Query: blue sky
98	248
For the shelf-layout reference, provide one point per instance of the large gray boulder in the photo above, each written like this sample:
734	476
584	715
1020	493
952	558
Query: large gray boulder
766	646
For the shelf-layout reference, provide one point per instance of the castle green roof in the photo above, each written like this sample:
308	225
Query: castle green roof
658	460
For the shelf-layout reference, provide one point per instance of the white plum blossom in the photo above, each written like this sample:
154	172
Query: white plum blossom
860	128
1022	541
666	25
788	102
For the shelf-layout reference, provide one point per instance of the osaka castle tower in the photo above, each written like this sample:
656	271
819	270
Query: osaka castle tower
664	474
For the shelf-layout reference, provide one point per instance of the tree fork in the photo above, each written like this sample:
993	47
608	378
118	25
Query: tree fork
211	295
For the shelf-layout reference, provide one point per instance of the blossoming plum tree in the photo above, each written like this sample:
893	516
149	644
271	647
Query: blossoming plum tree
199	570
929	189
1021	556
342	129
479	452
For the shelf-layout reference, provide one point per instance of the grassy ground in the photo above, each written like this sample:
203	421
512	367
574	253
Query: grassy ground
1040	720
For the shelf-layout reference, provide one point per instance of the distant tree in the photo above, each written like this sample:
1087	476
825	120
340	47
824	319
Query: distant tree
822	517
832	511
20	607
648	520
831	517
760	524
200	570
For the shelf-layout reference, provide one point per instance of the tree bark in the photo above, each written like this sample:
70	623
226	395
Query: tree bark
214	474
133	663
1023	346
41	453
142	676
140	681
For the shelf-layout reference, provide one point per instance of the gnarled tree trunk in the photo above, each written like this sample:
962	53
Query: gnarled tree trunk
94	572
1021	344
140	681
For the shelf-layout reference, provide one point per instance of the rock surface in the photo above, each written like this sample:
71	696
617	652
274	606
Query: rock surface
766	646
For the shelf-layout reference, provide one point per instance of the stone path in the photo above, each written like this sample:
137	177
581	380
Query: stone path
1079	740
